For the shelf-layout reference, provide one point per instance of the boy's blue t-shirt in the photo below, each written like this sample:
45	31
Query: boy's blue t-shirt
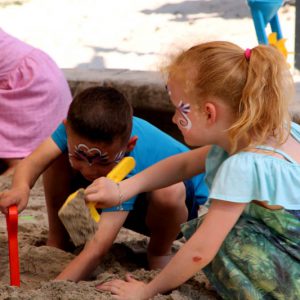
152	146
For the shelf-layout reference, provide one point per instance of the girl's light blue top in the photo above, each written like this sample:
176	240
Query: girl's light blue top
248	176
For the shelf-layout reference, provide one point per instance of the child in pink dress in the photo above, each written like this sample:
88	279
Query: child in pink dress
34	99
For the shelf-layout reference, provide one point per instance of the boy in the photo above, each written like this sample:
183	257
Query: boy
99	130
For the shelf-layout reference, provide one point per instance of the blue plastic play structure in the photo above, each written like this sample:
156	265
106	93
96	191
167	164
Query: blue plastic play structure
264	12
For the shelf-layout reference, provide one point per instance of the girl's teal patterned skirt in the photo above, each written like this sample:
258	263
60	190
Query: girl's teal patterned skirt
260	258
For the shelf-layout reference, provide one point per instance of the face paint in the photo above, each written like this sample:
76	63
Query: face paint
119	156
94	155
183	110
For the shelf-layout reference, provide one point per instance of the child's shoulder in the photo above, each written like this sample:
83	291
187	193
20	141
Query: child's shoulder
141	124
252	166
247	176
260	159
149	134
153	145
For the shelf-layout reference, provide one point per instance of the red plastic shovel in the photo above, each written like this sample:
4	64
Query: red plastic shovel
12	230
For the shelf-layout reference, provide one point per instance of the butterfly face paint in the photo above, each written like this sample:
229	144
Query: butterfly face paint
94	155
184	109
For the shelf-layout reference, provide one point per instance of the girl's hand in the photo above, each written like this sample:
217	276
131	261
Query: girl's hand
104	191
130	289
14	196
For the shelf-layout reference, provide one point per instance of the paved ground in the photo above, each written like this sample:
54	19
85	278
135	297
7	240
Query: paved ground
130	34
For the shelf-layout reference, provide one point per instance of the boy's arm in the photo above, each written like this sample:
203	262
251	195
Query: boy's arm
26	174
162	174
81	266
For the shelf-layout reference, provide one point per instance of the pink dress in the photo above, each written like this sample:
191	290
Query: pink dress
34	97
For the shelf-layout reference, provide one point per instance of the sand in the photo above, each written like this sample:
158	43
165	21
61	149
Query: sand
40	264
118	34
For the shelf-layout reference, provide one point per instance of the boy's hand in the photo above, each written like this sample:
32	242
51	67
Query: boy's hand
104	191
17	196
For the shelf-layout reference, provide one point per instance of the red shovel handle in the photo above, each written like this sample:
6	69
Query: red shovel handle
12	229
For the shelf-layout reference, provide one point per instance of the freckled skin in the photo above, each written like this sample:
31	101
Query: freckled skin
197	259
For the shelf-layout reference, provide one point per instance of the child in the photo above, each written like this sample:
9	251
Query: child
98	132
34	99
249	242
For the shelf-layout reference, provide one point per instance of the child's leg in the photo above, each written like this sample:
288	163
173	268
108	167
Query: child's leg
166	211
57	185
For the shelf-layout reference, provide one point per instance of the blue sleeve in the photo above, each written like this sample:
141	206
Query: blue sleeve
236	179
59	136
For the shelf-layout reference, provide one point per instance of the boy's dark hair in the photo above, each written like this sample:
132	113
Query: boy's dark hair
101	114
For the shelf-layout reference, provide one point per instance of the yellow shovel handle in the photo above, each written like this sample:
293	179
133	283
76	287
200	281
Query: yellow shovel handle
119	172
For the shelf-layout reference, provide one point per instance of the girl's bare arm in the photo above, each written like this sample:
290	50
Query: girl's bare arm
197	252
164	173
201	248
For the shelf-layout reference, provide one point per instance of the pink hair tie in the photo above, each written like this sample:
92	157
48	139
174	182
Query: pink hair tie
247	53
